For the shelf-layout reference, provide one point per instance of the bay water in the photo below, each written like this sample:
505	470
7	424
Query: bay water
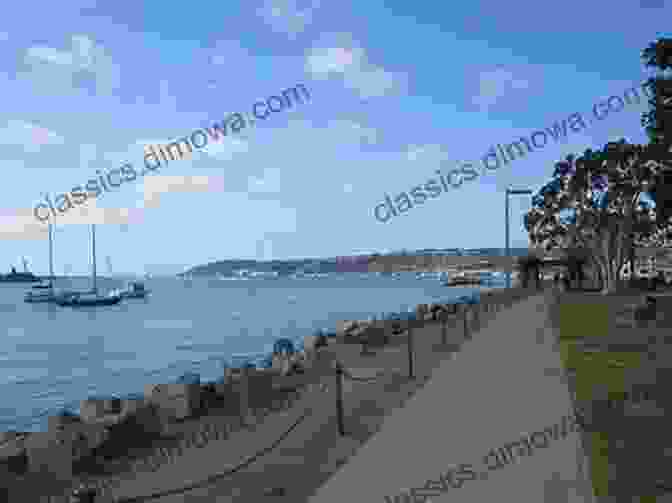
52	357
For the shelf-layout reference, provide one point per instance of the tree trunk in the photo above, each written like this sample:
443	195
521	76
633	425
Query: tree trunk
610	271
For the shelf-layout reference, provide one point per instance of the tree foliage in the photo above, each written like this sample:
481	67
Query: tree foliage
657	122
595	204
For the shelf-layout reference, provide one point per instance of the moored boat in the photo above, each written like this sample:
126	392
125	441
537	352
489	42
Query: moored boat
46	293
134	290
462	278
19	277
89	299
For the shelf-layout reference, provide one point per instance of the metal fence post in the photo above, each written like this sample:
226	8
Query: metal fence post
410	350
339	398
464	314
444	328
244	395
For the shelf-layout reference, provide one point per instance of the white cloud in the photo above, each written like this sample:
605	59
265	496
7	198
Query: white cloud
429	154
21	224
268	183
325	60
285	16
493	85
50	67
353	131
227	149
351	64
28	135
154	186
87	154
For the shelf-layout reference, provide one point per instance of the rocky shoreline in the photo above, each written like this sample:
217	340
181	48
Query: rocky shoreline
113	436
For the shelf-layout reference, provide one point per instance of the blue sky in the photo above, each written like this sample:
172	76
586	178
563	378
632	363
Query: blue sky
399	90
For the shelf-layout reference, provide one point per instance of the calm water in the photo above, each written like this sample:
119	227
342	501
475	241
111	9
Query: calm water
53	357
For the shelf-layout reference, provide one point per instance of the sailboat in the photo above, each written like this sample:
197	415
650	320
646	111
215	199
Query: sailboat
91	298
19	277
46	293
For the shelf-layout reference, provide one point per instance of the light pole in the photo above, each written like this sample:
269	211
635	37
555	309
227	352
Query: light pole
510	192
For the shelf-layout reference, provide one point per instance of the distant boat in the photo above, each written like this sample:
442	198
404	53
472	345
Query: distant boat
462	278
91	298
19	277
46	293
133	290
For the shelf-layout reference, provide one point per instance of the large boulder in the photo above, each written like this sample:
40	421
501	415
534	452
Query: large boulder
55	451
147	418
12	444
130	406
62	419
92	410
374	335
345	327
49	453
282	364
177	401
314	342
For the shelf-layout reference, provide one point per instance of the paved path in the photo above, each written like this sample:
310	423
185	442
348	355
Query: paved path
504	382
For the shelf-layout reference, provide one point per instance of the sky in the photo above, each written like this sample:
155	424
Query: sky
398	90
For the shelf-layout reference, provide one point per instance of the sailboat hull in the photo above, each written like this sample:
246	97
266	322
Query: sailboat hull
42	297
33	299
83	302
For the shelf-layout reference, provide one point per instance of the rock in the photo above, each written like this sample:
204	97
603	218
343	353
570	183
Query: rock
150	390
6	436
52	453
178	401
83	494
281	364
91	409
11	445
148	418
346	326
315	342
275	491
374	336
130	406
61	419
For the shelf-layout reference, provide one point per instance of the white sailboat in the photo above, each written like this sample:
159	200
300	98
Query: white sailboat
46	293
91	298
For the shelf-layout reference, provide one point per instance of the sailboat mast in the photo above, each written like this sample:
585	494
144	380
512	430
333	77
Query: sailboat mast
51	258
93	250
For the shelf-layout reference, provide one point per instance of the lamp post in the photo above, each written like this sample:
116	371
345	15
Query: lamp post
510	192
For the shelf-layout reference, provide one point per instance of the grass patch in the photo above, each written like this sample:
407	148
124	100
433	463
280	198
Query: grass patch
583	320
594	371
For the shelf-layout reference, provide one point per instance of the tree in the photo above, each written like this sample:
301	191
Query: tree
593	203
658	120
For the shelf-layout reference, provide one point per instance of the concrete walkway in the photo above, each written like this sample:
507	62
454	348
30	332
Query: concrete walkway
505	382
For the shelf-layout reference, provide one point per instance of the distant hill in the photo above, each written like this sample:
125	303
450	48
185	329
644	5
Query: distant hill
332	264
